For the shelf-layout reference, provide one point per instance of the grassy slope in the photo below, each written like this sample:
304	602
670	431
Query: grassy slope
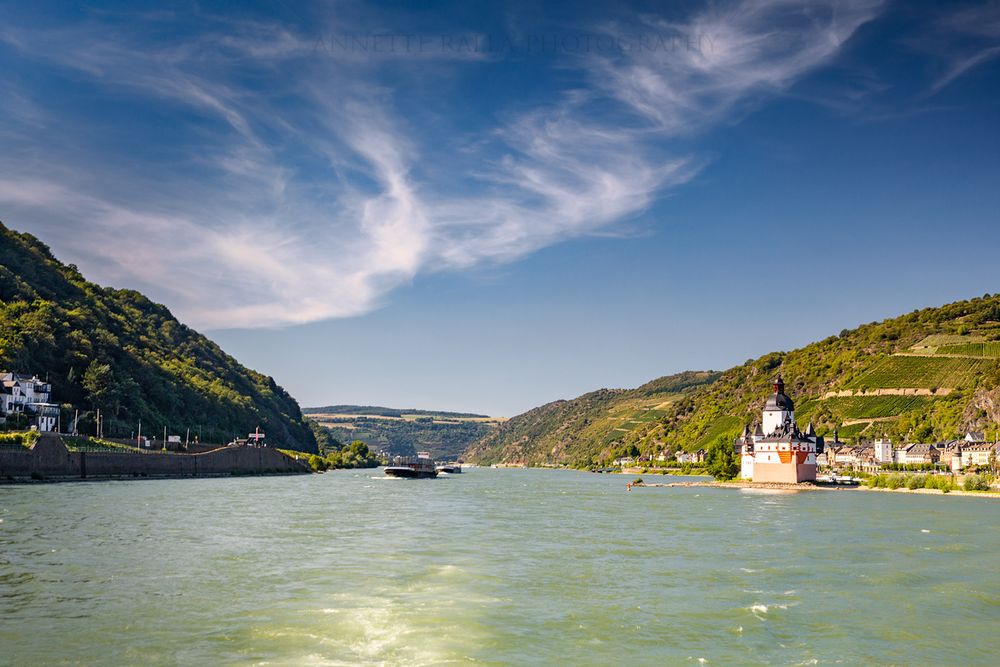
56	324
581	430
920	350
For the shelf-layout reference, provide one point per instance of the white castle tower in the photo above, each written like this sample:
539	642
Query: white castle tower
778	409
777	451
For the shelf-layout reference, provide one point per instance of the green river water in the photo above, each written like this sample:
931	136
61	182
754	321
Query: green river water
496	567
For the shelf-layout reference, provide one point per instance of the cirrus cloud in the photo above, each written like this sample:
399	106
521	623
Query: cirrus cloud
247	179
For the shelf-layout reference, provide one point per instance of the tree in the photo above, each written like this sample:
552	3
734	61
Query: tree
720	459
358	449
99	383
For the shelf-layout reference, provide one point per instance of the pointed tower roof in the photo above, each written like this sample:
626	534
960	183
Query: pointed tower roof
779	401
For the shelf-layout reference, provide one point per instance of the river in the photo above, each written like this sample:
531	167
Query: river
495	567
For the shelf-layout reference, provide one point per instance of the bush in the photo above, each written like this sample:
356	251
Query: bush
25	438
942	482
914	482
976	483
318	464
894	482
720	460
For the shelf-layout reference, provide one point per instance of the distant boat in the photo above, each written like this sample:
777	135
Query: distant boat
845	480
412	467
450	468
842	480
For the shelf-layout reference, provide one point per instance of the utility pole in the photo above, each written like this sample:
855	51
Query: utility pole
164	438
138	438
76	419
187	438
97	424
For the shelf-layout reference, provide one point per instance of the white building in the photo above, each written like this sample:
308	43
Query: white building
20	394
978	454
917	453
883	451
777	451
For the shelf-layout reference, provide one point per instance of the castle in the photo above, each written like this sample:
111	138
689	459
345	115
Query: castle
776	450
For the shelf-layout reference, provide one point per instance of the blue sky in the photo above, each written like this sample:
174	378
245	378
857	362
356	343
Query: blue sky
487	206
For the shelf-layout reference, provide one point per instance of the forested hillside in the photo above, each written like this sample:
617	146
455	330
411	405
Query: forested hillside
929	375
117	351
585	430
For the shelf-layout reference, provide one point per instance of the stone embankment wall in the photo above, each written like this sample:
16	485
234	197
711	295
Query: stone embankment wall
50	459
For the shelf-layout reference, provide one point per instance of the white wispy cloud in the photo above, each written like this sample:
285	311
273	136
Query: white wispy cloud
965	39
301	189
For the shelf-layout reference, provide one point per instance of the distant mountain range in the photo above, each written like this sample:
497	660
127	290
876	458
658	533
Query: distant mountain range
117	351
404	431
929	375
389	412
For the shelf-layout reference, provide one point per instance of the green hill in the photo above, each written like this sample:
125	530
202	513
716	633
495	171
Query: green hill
401	431
928	375
118	351
587	429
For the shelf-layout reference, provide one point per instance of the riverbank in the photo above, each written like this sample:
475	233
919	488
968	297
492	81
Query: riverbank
935	492
741	484
805	486
49	459
677	472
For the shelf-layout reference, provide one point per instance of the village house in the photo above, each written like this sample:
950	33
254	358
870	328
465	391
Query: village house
950	454
28	396
865	458
824	459
857	457
978	454
917	453
691	457
840	456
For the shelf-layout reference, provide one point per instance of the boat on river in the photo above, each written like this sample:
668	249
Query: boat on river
413	467
450	468
838	480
